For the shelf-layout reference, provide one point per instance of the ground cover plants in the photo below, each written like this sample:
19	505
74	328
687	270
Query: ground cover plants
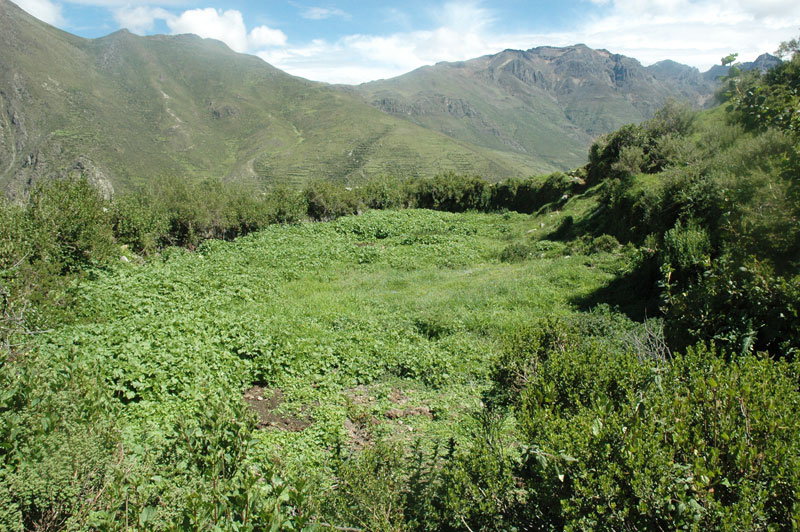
609	349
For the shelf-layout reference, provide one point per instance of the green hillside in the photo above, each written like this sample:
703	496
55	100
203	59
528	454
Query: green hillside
124	109
547	103
615	348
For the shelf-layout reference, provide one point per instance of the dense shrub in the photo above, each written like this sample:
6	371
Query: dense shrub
697	442
739	302
648	148
451	192
516	252
139	222
70	224
386	192
60	233
285	205
327	201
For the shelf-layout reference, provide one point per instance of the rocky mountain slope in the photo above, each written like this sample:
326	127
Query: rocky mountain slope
547	102
123	109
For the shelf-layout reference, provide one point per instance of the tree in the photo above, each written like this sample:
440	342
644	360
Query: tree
730	58
788	49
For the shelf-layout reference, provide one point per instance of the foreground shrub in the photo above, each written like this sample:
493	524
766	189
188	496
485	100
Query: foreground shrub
697	443
70	224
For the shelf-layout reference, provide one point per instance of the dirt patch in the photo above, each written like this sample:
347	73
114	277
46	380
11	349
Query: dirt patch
264	401
360	396
396	413
398	397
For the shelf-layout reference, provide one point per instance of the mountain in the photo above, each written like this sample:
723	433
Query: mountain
123	109
548	103
762	63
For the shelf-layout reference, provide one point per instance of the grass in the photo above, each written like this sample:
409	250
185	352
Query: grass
342	322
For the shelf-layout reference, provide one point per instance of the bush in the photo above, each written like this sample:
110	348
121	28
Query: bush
70	224
451	192
739	302
60	233
385	192
328	201
285	206
139	223
614	444
605	244
517	252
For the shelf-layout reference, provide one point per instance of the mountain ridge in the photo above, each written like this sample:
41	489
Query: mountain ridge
553	100
123	109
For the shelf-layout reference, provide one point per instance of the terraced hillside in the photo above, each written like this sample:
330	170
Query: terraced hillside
124	109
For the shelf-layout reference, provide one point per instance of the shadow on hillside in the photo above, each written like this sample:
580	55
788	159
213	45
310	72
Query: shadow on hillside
635	294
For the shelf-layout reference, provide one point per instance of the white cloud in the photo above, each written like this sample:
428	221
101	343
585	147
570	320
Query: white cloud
129	3
44	10
695	32
226	26
321	13
698	33
139	19
262	36
463	33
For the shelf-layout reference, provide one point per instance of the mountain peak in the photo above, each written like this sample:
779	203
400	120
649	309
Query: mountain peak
548	102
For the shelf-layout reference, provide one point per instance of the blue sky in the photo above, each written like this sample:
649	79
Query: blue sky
342	41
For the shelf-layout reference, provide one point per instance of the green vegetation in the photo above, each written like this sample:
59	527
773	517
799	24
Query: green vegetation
608	349
713	198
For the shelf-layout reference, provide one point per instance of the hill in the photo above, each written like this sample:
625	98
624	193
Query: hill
125	108
548	103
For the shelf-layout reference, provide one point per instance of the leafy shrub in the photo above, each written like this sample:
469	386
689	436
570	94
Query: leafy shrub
71	225
327	201
17	278
139	223
516	252
60	233
770	100
372	489
451	192
696	442
740	303
385	192
285	206
605	244
605	152
687	249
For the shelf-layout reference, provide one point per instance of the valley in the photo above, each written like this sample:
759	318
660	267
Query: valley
548	289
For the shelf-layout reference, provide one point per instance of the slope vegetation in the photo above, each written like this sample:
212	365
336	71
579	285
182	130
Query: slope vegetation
619	354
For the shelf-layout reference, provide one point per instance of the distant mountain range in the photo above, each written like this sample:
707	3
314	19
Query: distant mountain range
123	109
547	103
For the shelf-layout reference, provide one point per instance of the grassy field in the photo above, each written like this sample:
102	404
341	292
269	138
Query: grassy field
407	300
376	328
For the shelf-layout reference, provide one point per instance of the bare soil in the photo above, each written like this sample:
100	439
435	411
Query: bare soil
265	402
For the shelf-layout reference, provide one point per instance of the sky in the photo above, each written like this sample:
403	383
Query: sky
344	41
